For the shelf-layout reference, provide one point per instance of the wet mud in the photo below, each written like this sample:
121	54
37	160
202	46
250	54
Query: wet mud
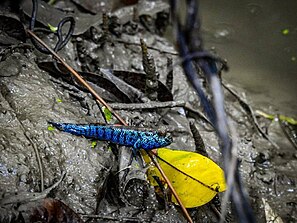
96	181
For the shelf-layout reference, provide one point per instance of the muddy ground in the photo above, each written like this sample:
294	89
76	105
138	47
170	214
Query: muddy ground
33	92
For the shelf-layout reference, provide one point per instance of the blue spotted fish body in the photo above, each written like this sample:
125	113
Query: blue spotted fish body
122	135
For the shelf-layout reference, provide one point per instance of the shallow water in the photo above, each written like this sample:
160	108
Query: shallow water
258	39
252	36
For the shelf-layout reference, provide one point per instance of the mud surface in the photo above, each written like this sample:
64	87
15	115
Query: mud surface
32	92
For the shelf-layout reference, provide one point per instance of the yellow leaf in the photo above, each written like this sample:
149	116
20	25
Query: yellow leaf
208	176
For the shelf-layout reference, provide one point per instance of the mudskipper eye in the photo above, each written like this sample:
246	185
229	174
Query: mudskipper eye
162	131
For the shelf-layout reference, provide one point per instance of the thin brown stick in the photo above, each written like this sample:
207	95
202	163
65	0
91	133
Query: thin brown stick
100	100
79	78
154	152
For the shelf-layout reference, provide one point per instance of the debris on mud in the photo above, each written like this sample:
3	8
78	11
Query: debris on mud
119	50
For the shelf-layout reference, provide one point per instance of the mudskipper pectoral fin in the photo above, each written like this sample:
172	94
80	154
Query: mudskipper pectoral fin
136	147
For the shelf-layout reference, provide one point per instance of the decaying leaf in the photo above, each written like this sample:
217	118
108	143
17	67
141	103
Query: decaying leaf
198	180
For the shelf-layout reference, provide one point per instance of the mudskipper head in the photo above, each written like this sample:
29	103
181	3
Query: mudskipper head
59	126
165	139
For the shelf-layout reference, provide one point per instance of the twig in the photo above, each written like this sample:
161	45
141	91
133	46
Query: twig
38	161
115	218
100	100
79	78
25	197
169	184
251	115
155	105
184	173
287	131
147	105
